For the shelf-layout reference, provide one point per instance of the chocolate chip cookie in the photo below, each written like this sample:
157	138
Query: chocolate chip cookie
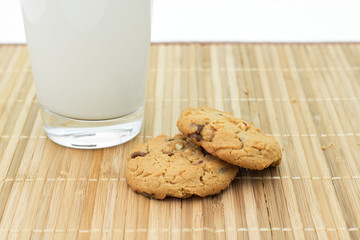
176	167
229	138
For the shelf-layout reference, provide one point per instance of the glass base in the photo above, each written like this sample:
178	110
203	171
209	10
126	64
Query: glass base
94	134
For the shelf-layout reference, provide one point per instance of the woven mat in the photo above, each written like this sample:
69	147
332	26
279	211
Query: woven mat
306	95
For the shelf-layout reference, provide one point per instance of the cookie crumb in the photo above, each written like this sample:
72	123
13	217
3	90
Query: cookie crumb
282	149
294	100
330	144
323	148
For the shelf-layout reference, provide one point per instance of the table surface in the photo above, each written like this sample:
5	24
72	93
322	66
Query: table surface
305	95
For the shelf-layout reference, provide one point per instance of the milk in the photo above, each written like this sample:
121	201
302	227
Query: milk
89	57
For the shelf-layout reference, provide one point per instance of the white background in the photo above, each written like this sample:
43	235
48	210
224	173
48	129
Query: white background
231	20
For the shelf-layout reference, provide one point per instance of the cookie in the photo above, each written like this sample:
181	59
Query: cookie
229	138
176	167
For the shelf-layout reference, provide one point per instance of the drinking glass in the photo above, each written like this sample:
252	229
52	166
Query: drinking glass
89	61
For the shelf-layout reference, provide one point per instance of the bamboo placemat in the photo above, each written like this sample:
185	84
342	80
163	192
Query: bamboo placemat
306	95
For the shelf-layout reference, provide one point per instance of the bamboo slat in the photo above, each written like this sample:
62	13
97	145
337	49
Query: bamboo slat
306	95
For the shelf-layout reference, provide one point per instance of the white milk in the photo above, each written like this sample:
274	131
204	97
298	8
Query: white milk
89	57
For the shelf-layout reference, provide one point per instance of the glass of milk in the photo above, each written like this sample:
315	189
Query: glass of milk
89	60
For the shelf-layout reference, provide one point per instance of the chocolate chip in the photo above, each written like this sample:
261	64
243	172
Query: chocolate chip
168	153
200	162
200	128
244	124
138	154
171	139
196	136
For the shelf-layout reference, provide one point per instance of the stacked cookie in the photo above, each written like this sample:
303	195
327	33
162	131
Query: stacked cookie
204	160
